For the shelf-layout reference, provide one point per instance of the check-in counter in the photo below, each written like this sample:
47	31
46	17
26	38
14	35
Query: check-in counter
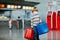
16	23
5	22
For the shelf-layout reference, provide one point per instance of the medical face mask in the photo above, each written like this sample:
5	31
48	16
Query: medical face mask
35	12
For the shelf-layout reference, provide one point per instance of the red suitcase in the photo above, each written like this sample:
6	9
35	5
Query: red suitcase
49	19
29	33
54	20
58	20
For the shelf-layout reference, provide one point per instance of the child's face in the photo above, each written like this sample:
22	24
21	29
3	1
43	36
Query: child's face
35	11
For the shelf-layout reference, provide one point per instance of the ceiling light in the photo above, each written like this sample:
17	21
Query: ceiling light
15	6
2	5
24	7
30	8
27	7
8	6
19	6
12	6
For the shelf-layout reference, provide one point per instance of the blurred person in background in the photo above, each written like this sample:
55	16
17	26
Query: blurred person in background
10	23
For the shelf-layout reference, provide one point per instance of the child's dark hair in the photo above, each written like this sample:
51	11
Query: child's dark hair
34	9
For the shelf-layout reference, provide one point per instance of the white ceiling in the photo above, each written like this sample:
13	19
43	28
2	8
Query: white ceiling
41	1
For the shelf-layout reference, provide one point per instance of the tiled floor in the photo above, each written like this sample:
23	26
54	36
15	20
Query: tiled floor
17	34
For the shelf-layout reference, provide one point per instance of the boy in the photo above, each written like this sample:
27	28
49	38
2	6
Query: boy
34	21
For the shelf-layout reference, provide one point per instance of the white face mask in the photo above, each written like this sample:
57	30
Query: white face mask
35	12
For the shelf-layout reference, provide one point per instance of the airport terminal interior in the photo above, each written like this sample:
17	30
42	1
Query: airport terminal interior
19	11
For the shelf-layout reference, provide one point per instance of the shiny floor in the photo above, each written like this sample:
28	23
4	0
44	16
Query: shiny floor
17	34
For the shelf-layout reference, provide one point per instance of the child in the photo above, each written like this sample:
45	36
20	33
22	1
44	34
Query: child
35	20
